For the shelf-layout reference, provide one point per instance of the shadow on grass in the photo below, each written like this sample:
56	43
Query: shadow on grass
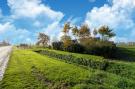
125	54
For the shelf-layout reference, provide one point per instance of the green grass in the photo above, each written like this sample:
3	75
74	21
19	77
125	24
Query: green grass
98	58
130	51
122	68
29	70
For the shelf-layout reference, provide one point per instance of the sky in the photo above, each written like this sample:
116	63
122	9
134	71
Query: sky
22	20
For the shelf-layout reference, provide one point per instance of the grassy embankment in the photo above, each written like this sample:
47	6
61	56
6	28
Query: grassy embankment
121	68
30	70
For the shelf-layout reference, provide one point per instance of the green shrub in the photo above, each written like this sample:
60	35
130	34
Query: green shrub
57	45
76	48
101	48
90	46
96	64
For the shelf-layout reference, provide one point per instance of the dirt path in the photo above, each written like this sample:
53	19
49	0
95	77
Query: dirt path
4	57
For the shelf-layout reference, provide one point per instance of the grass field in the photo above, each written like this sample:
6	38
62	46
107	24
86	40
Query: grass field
30	70
122	68
127	53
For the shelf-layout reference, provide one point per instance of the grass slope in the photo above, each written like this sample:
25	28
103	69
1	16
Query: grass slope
127	53
29	70
122	68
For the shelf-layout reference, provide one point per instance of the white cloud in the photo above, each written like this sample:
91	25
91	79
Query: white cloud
11	33
27	18
32	9
74	21
119	16
4	27
54	30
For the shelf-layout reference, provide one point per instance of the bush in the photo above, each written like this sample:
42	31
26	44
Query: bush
106	49
57	45
76	48
101	48
24	46
96	64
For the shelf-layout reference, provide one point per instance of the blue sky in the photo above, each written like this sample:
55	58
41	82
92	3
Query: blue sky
74	8
22	20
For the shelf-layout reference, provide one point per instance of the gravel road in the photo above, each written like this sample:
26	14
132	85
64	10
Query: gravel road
4	57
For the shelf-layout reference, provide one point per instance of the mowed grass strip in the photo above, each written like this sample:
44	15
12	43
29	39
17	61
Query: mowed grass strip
29	70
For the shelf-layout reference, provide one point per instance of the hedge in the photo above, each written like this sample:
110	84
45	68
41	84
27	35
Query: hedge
72	59
109	66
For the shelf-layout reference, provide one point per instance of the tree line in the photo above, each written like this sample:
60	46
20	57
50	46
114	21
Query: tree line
83	40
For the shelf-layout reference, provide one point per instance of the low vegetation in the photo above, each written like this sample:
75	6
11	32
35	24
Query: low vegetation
126	53
29	70
120	68
91	62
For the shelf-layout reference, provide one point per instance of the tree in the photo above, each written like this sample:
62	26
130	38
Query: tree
65	37
84	31
75	31
66	28
66	40
95	32
43	39
84	34
106	32
111	34
102	31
